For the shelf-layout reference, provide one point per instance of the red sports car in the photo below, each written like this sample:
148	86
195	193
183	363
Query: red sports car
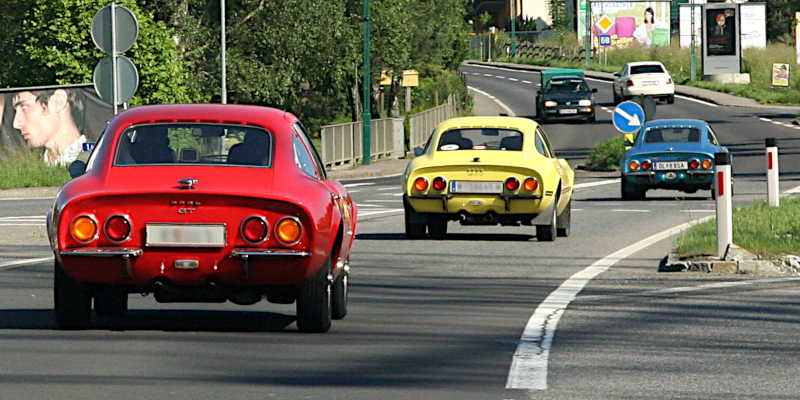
202	203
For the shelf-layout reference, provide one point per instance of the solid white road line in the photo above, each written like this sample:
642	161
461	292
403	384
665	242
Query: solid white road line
23	224
366	214
698	211
20	263
27	198
598	183
633	211
385	189
349	185
23	217
705	103
496	100
381	201
529	365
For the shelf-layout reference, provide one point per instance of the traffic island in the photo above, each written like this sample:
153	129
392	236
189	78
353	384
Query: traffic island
736	261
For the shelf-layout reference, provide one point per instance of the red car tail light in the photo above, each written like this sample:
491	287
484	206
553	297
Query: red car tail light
646	164
288	230
629	83
694	164
633	165
420	184
706	164
530	184
512	184
118	228
254	229
439	183
83	228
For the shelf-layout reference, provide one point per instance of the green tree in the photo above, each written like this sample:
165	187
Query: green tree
55	47
780	17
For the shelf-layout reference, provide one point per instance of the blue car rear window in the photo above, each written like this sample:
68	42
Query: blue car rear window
672	135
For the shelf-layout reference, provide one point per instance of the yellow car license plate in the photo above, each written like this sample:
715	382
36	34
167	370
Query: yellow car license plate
476	187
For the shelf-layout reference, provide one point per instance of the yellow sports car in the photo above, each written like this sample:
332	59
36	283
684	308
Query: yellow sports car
487	171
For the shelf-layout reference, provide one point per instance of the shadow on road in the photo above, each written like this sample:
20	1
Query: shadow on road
159	320
471	237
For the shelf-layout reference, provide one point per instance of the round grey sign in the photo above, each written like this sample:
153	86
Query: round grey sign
125	25
127	76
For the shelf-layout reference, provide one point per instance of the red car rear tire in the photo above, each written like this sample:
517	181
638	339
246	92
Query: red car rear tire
314	302
72	304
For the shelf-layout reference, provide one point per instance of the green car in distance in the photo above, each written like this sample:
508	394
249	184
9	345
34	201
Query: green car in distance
564	94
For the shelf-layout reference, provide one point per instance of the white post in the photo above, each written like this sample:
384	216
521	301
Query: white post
773	188
722	186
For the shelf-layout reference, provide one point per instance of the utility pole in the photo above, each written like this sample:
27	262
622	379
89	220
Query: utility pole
222	46
512	12
366	131
692	58
587	41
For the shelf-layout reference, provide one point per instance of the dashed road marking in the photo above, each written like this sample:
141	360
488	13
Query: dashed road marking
513	79
349	185
628	210
527	82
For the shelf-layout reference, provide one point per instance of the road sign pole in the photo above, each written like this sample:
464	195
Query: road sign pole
587	41
513	13
366	130
773	180
692	58
114	66
722	186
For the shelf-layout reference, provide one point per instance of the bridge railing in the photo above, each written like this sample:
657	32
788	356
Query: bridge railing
421	125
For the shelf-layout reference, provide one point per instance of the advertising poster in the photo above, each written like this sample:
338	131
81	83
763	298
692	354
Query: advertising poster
753	25
56	119
780	75
646	23
721	25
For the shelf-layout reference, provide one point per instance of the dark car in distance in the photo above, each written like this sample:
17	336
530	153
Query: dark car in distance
564	94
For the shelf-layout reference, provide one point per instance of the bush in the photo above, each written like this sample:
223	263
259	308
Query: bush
607	155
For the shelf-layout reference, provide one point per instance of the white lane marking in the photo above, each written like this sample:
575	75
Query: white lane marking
22	224
776	122
633	211
793	190
366	214
529	365
500	77
496	100
705	103
349	185
765	119
392	194
367	205
598	183
694	211
20	263
24	217
385	189
513	79
718	285
354	191
527	82
577	209
488	75
27	198
381	201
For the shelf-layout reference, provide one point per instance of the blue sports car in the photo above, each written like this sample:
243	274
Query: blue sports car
675	154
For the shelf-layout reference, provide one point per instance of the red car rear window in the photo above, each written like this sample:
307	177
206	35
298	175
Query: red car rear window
149	144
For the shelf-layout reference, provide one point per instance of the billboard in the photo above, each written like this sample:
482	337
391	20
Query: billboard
55	119
646	23
753	17
721	45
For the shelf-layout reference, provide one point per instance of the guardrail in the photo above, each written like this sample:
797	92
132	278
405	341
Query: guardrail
422	124
342	143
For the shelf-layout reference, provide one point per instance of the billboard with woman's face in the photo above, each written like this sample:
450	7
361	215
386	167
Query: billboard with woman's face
57	119
645	23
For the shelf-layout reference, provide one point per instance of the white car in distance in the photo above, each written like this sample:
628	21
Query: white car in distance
648	78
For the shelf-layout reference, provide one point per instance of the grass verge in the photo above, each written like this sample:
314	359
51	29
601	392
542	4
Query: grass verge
21	168
767	231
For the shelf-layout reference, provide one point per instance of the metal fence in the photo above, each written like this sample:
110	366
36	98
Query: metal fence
423	124
342	143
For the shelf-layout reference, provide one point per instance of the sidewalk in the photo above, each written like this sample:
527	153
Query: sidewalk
722	99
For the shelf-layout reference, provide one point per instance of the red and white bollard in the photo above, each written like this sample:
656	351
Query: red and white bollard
773	182
722	186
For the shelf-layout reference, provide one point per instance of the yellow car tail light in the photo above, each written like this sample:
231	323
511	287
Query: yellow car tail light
531	184
83	228
421	184
288	230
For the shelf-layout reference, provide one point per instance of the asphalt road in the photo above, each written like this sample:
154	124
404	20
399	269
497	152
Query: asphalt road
443	319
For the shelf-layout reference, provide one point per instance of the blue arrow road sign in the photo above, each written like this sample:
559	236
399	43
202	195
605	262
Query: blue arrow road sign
628	117
605	40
